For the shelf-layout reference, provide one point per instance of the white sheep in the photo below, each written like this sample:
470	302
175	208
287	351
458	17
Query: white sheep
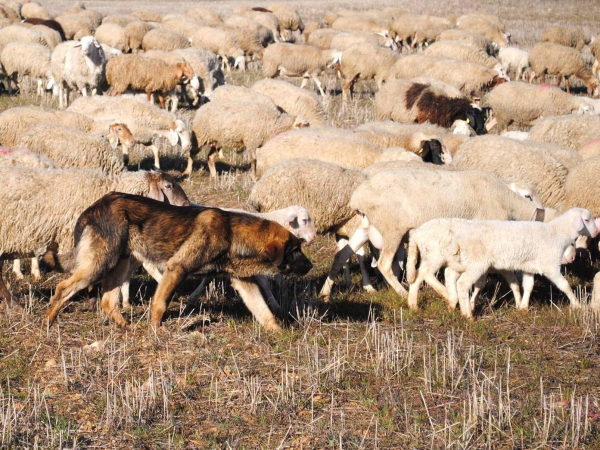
471	78
33	10
159	39
304	61
206	66
477	39
23	59
134	35
146	121
60	196
264	34
516	161
476	246
293	100
231	92
236	125
23	157
412	196
569	37
77	65
582	186
75	26
589	149
222	43
571	130
555	59
462	51
365	62
514	60
19	33
521	104
492	29
111	34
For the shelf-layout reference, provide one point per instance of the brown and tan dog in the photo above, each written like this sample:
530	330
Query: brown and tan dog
178	241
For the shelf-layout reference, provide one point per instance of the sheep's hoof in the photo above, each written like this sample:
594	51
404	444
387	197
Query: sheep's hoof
576	305
325	298
370	289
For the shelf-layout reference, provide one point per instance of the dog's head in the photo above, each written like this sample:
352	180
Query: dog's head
287	255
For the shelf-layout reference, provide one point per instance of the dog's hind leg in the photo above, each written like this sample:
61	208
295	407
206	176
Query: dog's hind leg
81	279
111	287
170	279
254	301
131	267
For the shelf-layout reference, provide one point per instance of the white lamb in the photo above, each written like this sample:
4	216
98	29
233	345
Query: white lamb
474	247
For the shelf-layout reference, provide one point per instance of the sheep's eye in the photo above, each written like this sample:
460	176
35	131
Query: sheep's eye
528	197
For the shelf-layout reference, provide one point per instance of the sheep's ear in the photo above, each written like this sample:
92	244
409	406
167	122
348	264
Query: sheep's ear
155	192
78	44
275	253
577	224
113	138
292	219
173	137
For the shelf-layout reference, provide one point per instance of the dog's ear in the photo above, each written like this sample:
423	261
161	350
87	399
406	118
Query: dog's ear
275	252
156	192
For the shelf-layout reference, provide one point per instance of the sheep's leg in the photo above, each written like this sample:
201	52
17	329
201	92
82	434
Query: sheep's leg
595	67
250	293
358	239
318	83
531	76
413	291
366	280
161	100
304	82
212	156
155	152
4	294
84	91
451	278
348	88
35	269
149	96
341	243
384	264
111	287
562	284
429	276
512	281
170	279
464	283
568	84
40	89
559	80
17	269
595	302
528	279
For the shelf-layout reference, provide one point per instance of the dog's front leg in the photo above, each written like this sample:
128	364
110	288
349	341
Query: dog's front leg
111	287
170	279
255	302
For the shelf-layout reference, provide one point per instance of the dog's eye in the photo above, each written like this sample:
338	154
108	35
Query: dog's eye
168	186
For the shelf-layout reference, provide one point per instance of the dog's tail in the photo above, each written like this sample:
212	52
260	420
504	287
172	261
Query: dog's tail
411	260
62	263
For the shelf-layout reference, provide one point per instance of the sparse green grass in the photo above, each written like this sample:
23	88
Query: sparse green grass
361	372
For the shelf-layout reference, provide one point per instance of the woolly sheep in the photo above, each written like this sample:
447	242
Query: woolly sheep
146	15
566	36
221	43
119	19
265	35
426	100
92	17
462	51
33	10
50	29
146	74
479	40
75	27
555	59
471	78
134	34
582	186
521	104
11	12
485	27
288	17
293	100
184	25
23	157
386	219
146	121
570	130
365	62
242	94
514	60
344	40
360	23
159	39
263	16
206	67
111	34
529	247
20	33
60	196
71	148
322	37
204	15
595	51
23	59
78	65
233	124
419	30
589	149
322	188
292	60
499	155
248	40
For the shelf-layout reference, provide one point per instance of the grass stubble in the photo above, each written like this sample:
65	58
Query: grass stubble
361	372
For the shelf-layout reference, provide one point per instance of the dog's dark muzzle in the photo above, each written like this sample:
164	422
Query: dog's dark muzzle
298	264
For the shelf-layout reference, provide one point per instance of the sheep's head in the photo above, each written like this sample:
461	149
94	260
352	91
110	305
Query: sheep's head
300	122
475	117
164	188
434	152
118	132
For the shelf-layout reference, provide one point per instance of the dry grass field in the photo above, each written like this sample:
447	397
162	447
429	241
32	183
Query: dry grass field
362	372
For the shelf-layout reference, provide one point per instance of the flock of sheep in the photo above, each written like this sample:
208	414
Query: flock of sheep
422	182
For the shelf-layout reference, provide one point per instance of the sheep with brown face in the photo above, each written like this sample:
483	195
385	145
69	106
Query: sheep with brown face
145	74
